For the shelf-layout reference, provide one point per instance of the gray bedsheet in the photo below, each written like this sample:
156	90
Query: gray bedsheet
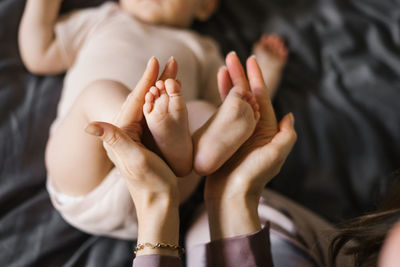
342	83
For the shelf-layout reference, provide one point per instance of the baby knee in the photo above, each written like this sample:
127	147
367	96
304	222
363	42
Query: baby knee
102	99
102	88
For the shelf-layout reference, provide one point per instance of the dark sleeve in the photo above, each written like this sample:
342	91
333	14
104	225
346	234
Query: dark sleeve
252	250
156	261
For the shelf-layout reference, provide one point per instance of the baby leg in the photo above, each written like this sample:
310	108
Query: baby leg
199	112
271	54
76	162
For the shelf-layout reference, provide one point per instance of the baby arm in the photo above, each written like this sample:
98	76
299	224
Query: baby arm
37	43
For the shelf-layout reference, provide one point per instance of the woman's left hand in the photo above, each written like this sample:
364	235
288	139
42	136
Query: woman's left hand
260	158
238	184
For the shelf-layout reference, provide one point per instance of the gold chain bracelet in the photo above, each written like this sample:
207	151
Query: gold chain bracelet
141	246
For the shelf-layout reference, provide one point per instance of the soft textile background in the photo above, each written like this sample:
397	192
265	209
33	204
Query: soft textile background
342	83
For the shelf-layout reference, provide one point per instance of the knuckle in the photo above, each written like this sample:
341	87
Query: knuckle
293	136
141	162
278	158
275	153
277	170
129	169
132	168
113	138
134	131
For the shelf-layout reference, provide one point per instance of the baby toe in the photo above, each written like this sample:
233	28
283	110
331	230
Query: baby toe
155	91
248	96
160	85
147	108
254	105
149	97
172	87
149	101
283	52
238	92
275	39
265	37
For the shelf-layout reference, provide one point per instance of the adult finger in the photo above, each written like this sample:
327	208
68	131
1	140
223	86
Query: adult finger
259	88
131	110
224	82
121	145
236	71
284	140
170	70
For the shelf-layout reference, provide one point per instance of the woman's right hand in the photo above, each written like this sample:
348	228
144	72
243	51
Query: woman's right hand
144	171
151	183
232	193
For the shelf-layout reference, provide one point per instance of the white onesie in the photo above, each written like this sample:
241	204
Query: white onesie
107	43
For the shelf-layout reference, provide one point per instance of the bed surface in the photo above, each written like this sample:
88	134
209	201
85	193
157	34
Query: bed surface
341	82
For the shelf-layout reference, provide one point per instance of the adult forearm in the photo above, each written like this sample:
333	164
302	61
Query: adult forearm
233	216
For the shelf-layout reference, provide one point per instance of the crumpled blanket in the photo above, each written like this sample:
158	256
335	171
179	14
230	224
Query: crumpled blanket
341	82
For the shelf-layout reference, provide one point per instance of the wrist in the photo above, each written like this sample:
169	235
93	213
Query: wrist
233	216
158	222
145	199
221	189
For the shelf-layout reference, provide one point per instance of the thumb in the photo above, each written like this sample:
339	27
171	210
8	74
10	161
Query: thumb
119	142
285	139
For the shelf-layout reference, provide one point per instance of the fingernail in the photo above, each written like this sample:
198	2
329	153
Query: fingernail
292	119
150	60
94	129
253	56
222	68
170	59
232	52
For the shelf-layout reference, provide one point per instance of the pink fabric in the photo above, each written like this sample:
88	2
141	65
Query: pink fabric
156	261
304	234
246	251
252	250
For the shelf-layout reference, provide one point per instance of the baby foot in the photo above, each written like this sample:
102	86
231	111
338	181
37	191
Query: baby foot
225	131
167	119
272	55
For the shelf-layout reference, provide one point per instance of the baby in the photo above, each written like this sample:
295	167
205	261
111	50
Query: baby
104	51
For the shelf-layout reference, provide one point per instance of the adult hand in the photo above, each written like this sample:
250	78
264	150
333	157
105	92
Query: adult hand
140	167
238	184
151	183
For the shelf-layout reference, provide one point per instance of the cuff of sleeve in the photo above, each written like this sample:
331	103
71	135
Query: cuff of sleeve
156	261
246	251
